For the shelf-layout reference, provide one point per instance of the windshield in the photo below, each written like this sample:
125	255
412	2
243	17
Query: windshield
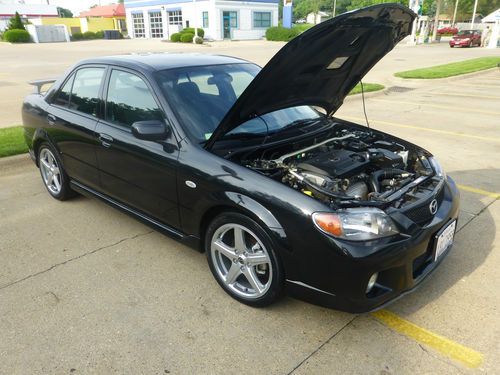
203	95
465	33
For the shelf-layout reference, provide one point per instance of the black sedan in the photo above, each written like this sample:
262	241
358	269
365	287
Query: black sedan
250	166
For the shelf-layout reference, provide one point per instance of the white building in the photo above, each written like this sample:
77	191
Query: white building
220	19
315	18
8	9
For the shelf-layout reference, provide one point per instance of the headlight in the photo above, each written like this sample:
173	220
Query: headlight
438	170
356	224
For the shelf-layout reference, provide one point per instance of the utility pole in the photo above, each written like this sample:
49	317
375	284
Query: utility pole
455	13
473	15
195	22
334	7
436	20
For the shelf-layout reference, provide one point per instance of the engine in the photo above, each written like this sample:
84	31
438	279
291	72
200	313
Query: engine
349	165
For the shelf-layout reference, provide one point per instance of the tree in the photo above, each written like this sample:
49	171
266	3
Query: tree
16	23
356	4
64	13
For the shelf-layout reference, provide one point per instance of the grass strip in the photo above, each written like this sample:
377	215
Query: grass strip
451	69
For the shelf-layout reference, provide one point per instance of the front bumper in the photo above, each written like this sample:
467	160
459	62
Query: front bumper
459	43
401	266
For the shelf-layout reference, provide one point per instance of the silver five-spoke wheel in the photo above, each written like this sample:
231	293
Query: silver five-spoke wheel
241	261
51	173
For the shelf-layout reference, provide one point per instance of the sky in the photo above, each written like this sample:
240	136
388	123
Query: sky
76	6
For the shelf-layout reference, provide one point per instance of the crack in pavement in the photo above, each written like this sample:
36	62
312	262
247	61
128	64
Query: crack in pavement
478	214
73	259
322	345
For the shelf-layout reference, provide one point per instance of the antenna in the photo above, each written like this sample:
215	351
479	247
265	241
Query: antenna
364	107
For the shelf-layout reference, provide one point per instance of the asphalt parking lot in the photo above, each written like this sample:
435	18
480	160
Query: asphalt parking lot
86	289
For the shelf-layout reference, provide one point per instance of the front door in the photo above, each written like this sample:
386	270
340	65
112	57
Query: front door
226	26
229	22
138	173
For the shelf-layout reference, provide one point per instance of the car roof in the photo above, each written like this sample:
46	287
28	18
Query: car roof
162	61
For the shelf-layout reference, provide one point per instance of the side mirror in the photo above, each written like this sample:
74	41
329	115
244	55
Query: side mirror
153	130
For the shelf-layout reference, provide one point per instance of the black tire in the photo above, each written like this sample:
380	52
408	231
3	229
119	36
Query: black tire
275	285
64	192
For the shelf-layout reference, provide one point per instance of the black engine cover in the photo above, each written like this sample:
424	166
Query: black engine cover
336	163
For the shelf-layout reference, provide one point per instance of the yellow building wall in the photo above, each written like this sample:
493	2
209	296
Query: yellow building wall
98	24
69	22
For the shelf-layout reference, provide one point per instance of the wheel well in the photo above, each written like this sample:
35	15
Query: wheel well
215	211
36	146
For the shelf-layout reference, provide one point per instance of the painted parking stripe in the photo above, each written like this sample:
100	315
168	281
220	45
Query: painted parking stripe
425	105
479	191
457	134
447	347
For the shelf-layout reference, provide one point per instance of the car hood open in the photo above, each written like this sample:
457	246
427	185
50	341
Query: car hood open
322	65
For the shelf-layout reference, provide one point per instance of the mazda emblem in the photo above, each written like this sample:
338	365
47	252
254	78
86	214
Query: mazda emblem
433	207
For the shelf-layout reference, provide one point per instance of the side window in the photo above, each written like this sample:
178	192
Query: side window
130	100
64	94
85	93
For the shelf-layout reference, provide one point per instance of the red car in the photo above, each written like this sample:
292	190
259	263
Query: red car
466	38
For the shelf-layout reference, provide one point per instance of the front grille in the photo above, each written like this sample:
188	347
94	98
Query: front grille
421	213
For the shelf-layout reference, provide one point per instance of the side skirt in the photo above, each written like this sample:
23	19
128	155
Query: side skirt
188	240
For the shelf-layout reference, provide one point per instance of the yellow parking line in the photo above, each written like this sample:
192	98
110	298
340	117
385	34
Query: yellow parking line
457	134
449	348
425	105
479	191
466	95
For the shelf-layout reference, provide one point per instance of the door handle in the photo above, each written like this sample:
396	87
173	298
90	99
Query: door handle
105	139
51	119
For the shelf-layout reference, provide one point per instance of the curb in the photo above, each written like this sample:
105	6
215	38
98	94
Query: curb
446	79
368	95
10	162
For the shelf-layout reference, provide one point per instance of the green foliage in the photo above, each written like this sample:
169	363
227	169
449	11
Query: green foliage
77	36
89	35
187	37
281	34
16	36
190	30
198	40
12	141
175	37
16	23
64	13
356	4
452	69
367	87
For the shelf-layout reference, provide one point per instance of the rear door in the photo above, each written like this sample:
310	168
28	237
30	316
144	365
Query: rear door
72	119
141	174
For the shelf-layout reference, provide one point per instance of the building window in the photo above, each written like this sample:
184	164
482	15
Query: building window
233	17
205	19
262	19
175	17
138	24
156	24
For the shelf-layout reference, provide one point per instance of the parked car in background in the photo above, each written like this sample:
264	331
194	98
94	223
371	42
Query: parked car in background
466	38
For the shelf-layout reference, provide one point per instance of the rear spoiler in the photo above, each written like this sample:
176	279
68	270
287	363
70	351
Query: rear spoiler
39	83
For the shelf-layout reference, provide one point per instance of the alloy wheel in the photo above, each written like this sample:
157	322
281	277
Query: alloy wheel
241	261
51	172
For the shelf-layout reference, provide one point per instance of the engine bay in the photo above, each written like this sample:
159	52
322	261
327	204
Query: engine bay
347	167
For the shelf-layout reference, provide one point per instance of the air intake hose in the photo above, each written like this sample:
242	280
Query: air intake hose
374	181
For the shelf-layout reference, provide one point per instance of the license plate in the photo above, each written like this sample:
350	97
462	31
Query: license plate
445	239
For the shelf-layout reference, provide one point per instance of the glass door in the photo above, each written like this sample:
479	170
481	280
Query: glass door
229	22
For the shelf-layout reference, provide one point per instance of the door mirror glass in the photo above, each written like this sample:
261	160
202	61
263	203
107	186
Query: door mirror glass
152	130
